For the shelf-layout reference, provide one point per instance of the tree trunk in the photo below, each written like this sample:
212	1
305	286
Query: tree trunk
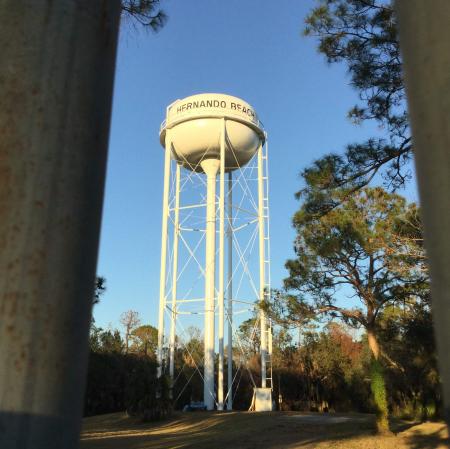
127	334
377	383
373	343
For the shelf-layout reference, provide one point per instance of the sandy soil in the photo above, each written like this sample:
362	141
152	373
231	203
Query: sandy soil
243	430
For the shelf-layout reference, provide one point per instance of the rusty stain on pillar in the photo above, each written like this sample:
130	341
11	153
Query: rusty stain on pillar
56	78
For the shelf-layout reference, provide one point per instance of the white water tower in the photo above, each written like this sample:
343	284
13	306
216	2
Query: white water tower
209	137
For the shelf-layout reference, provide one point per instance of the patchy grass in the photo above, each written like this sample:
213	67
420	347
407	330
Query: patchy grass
244	430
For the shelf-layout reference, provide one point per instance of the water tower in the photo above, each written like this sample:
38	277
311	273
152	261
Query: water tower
212	139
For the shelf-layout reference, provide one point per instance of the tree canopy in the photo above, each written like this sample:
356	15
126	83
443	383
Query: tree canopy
100	288
354	262
362	34
129	320
365	245
146	13
145	339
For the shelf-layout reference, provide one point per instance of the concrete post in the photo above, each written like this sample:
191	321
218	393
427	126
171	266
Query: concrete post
56	78
425	45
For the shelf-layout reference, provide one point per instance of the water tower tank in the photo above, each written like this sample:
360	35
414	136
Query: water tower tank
195	123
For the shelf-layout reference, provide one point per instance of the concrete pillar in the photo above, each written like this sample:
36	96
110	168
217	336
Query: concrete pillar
425	46
56	77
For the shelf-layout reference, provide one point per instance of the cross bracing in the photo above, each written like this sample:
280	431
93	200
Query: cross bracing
244	220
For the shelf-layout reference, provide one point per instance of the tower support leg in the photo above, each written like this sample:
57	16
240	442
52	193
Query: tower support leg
210	167
221	266
173	315
262	275
162	277
230	293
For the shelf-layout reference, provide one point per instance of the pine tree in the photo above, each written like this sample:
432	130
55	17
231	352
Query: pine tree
354	262
362	34
145	13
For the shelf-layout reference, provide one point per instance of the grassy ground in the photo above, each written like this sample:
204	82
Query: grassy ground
242	430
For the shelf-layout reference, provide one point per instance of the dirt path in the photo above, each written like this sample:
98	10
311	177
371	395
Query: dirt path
241	430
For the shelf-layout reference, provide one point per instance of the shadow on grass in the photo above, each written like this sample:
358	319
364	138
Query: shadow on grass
437	439
397	426
240	430
119	431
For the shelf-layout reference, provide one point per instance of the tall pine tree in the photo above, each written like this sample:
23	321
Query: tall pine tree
354	262
362	34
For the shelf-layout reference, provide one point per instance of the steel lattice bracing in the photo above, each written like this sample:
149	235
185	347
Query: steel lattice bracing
241	269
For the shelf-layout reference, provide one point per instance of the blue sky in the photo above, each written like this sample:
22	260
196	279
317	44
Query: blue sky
247	48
